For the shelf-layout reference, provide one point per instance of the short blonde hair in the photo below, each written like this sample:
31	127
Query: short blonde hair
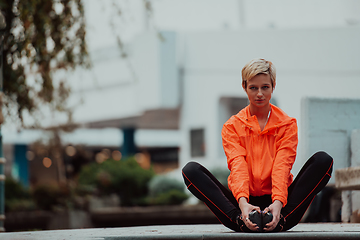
256	67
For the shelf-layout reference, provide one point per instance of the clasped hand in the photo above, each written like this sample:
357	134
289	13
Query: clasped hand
274	209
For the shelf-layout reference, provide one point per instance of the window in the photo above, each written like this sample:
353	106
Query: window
197	142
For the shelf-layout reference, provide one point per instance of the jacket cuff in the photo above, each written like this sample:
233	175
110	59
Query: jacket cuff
281	199
240	195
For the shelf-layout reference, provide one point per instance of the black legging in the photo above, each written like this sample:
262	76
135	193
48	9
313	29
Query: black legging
311	179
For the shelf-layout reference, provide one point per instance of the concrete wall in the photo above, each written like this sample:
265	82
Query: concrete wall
355	148
327	125
355	162
348	180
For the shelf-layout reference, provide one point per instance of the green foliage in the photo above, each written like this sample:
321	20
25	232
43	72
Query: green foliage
47	197
162	184
171	197
166	191
88	174
17	198
125	178
19	205
15	190
41	37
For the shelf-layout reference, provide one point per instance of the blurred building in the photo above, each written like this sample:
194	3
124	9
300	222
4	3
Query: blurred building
167	93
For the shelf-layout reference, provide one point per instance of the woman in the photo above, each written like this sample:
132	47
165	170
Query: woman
260	145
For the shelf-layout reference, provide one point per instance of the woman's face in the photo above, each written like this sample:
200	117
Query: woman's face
259	90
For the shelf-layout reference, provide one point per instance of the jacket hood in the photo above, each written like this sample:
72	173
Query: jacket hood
277	118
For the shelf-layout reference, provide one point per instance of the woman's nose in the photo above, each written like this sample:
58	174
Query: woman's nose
259	93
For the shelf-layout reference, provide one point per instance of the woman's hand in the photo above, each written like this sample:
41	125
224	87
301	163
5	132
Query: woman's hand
275	209
246	208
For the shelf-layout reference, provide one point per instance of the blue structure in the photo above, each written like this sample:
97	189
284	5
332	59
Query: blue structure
128	147
21	163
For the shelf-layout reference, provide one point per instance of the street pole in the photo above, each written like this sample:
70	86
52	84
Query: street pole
2	159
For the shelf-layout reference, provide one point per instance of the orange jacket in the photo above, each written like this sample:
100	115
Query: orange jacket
260	161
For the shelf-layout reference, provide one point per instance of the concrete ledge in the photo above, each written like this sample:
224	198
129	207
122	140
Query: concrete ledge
211	231
109	217
347	178
154	215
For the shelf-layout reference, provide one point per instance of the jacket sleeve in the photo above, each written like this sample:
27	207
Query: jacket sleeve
238	180
284	159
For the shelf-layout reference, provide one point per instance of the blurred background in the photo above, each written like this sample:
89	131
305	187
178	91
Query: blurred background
105	101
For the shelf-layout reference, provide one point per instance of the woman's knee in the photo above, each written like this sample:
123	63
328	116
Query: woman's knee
191	169
323	159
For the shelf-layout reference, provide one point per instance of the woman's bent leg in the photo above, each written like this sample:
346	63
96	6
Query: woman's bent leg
203	185
311	179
